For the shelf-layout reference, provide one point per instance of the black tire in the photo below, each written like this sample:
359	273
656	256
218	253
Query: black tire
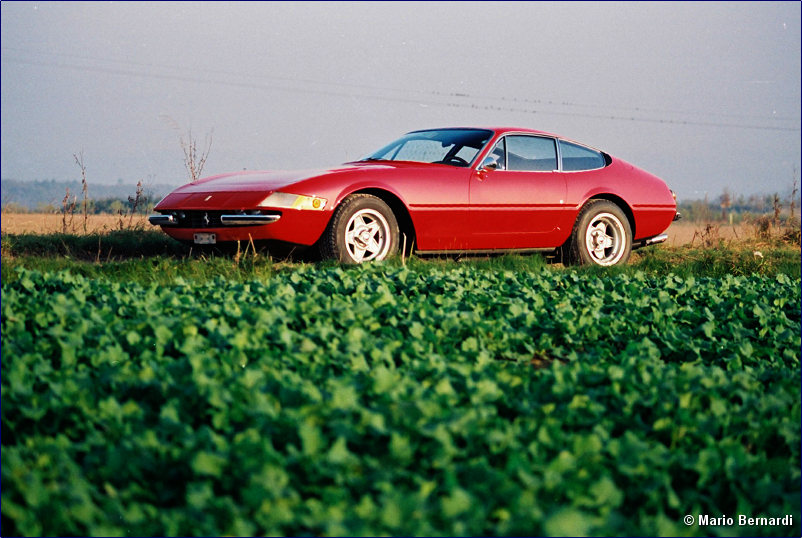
363	228
601	235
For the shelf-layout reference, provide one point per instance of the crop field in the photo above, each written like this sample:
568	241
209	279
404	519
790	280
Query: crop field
505	397
46	223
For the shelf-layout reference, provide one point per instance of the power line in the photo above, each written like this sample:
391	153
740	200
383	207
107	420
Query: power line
385	98
436	93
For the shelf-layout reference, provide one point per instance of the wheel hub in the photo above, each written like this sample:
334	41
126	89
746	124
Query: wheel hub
366	236
605	239
600	239
362	237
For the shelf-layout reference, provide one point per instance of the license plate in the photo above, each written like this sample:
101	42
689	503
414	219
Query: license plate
205	239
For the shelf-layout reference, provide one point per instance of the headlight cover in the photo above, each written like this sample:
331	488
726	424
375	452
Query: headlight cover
293	201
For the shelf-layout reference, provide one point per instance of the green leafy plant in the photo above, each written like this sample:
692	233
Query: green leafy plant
390	400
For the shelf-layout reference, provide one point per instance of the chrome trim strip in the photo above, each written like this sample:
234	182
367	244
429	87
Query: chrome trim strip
486	251
559	155
162	220
243	220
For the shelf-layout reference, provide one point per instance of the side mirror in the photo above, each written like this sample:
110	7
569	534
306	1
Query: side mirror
490	163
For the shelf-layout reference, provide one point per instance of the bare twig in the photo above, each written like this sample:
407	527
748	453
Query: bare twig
135	201
194	161
79	160
67	208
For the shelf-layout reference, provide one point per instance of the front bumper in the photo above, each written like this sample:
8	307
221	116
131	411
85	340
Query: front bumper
210	219
294	226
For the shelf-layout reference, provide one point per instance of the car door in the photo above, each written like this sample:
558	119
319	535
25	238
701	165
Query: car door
521	204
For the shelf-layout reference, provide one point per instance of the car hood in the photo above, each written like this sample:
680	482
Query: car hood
264	181
248	188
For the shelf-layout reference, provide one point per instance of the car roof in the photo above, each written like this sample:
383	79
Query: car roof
505	130
497	130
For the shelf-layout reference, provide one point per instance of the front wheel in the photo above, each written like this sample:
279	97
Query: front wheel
363	228
601	235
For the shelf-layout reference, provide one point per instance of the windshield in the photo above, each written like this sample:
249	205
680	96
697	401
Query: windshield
457	147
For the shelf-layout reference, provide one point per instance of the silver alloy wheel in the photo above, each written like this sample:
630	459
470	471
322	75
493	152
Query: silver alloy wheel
367	236
605	239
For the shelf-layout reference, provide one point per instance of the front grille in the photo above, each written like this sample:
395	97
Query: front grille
199	219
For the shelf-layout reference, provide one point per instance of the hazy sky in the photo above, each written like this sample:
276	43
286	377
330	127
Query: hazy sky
705	95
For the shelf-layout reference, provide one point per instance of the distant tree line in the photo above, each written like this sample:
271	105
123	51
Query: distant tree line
113	206
735	209
48	197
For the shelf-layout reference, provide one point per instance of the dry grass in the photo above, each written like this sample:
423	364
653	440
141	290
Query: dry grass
711	234
47	223
686	233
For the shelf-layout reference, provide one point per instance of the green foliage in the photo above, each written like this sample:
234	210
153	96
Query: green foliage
134	243
391	400
157	269
723	260
150	256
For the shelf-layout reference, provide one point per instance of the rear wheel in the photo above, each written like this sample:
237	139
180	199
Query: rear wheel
601	235
363	228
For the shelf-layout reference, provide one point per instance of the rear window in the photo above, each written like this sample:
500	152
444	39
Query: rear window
577	157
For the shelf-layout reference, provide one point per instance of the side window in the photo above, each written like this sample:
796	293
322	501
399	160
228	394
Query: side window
579	158
531	153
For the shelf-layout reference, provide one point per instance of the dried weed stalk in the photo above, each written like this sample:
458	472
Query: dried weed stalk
68	211
194	161
79	160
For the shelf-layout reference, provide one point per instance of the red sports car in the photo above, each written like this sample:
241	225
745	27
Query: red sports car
472	190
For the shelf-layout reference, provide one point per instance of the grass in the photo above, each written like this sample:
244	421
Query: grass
741	259
151	256
95	246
